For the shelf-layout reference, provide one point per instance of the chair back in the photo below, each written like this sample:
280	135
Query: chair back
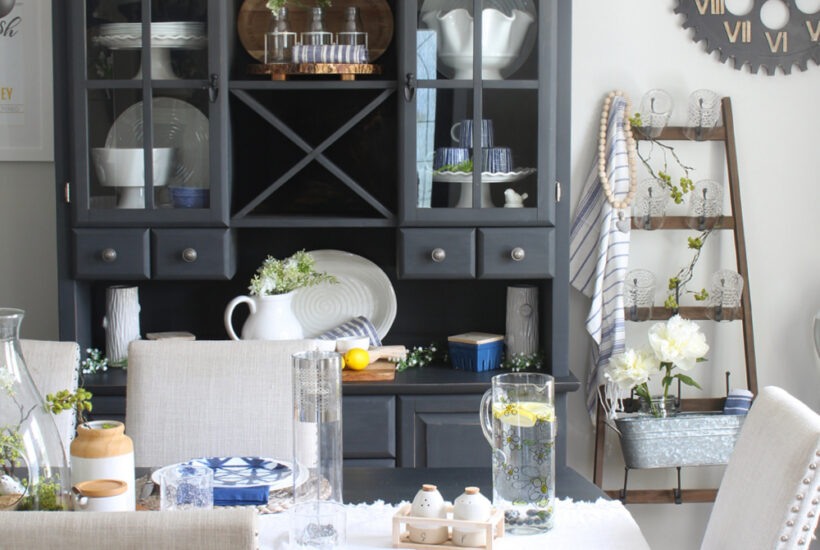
216	529
54	366
188	399
770	493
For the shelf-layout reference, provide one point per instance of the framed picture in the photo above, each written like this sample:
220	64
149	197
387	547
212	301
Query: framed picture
26	107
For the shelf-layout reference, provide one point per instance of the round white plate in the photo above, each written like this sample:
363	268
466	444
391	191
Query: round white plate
486	177
363	289
185	35
243	471
177	124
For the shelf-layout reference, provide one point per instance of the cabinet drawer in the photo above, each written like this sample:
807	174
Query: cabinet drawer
111	254
436	253
194	253
521	253
369	426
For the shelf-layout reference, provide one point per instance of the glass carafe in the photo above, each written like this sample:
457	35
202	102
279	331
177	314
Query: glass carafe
317	516
32	458
518	419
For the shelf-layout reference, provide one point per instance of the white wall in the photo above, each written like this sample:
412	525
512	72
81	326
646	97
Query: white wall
637	45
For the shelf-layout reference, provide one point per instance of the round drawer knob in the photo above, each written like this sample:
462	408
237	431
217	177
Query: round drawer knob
109	255
517	254
438	255
189	255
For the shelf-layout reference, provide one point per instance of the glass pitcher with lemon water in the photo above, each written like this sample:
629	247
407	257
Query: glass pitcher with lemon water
518	419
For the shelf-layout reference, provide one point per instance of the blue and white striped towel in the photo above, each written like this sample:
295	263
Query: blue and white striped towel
599	254
358	326
330	54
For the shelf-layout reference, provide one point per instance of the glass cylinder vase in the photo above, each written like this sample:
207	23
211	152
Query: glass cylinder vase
34	467
317	516
659	406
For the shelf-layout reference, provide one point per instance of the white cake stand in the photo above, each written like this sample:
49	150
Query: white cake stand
183	35
465	199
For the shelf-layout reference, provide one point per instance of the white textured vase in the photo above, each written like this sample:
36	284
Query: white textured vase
121	321
271	318
522	320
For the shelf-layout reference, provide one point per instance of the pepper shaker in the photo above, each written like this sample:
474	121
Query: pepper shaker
471	506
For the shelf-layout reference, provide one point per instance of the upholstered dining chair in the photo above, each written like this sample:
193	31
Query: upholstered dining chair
54	366
770	494
210	398
217	529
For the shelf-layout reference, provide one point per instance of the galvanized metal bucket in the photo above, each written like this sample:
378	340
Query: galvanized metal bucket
688	439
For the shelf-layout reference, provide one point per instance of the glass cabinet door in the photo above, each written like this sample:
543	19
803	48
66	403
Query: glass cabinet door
481	101
147	102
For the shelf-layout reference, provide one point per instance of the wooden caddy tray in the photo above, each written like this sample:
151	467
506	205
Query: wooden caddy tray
346	71
494	528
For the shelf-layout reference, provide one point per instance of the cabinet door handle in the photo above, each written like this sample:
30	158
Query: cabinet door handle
109	255
438	255
518	254
189	255
410	83
213	87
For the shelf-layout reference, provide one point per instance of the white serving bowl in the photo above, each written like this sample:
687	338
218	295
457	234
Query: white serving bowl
343	345
124	168
502	37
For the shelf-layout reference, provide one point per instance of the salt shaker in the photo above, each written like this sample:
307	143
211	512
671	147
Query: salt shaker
471	506
428	504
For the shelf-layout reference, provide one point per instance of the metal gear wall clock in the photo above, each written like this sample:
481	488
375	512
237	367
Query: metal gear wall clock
747	40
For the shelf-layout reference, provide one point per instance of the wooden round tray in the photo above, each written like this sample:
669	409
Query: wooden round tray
347	71
377	18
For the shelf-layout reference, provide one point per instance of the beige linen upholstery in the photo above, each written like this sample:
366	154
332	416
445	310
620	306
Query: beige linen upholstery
190	530
210	398
770	494
54	366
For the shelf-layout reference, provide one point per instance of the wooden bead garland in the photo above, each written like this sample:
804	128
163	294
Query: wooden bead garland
631	150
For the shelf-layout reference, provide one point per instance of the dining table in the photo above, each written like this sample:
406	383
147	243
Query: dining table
585	517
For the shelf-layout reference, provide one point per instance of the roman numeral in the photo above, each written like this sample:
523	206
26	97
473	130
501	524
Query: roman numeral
718	7
814	32
742	28
782	39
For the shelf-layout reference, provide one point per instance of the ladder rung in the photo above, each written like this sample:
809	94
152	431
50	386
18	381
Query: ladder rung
681	222
697	313
676	133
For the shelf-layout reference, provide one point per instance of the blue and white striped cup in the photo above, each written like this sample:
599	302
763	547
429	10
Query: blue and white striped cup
496	159
450	156
462	132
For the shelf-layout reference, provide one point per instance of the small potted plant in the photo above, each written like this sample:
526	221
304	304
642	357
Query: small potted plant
271	295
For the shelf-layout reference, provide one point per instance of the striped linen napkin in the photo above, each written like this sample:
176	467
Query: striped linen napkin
599	254
330	54
358	326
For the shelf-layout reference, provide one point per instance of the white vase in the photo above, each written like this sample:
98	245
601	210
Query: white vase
471	506
121	321
428	503
271	318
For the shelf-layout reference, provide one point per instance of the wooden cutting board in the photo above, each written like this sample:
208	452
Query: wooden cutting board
377	19
378	371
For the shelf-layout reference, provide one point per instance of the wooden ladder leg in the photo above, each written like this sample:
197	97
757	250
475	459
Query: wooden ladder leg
600	432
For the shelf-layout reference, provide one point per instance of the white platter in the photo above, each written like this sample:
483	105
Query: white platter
363	289
177	124
486	177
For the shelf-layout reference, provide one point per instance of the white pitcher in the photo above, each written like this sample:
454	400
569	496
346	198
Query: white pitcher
271	318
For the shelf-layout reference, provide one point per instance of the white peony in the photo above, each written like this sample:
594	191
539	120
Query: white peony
678	341
631	368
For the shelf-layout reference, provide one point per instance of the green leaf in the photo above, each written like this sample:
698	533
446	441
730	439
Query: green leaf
667	380
687	380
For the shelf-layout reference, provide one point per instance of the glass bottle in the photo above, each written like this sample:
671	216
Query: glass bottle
317	516
280	39
34	468
352	33
316	33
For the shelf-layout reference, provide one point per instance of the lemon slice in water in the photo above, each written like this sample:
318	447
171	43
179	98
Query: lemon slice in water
514	415
542	411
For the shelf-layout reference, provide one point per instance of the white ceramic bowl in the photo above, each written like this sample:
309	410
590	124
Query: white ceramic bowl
343	345
502	37
125	167
324	345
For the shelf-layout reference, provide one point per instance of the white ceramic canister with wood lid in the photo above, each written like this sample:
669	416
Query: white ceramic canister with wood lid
101	450
102	495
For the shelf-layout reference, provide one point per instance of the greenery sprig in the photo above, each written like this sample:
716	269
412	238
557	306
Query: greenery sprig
466	166
276	5
523	361
677	284
94	362
282	276
685	183
420	356
64	400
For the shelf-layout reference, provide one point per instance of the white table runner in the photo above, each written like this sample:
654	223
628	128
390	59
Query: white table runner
601	525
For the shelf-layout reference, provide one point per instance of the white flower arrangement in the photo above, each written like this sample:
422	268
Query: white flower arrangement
282	276
677	343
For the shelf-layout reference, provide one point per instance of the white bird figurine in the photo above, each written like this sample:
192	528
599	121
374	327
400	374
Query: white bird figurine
513	199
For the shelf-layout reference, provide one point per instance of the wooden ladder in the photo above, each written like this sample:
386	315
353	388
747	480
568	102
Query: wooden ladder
734	222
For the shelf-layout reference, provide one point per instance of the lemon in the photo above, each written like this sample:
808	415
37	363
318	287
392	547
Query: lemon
357	359
542	411
514	414
343	362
